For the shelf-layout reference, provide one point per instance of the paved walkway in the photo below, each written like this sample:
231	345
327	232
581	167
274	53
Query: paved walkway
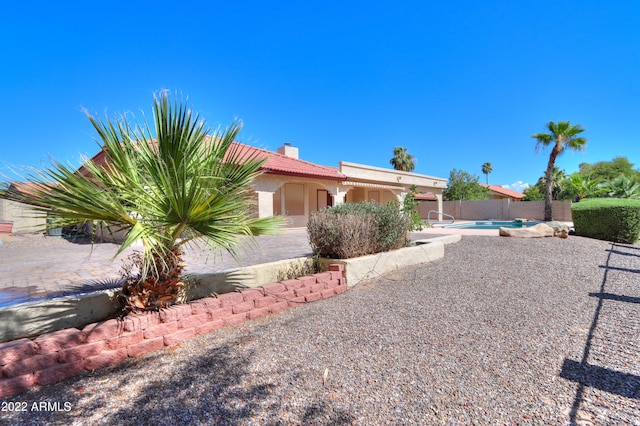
35	267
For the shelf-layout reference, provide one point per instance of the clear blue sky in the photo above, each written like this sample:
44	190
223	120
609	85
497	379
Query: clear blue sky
457	83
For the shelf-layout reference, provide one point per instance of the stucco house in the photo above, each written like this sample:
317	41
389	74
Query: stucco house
293	188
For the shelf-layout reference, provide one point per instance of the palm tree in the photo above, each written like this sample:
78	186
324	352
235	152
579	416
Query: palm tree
167	188
561	136
558	180
486	169
622	187
402	160
579	187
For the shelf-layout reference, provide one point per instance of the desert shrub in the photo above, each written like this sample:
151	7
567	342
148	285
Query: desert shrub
410	208
609	219
352	230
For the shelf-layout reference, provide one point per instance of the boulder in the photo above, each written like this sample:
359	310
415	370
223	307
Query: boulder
559	229
535	231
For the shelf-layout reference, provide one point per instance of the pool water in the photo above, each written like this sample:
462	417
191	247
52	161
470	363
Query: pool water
492	225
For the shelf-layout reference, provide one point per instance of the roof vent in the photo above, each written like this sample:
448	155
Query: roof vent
288	150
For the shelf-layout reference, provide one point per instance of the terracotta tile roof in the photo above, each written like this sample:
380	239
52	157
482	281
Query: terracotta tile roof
275	164
22	188
283	165
503	191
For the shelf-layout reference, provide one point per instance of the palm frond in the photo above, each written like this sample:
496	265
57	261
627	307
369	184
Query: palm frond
165	183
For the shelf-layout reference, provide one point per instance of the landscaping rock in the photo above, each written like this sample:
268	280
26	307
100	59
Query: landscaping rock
559	229
536	231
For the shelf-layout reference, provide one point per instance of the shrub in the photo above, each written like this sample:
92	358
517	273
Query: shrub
609	219
352	230
409	207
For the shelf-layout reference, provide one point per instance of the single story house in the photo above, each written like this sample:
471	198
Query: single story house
294	188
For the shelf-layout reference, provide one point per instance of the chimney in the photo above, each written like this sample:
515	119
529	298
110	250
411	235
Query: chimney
288	150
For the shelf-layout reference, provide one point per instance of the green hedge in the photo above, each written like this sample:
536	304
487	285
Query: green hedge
610	219
352	230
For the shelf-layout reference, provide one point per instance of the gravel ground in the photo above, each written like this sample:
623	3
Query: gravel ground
500	331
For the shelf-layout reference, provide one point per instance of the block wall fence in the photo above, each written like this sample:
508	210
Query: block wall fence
65	353
499	209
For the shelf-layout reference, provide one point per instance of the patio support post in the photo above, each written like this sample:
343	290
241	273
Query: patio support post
338	194
265	203
439	198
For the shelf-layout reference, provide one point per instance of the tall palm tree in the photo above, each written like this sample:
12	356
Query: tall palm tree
486	169
402	160
166	184
561	136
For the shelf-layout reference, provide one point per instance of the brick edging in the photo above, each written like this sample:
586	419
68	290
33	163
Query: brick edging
55	356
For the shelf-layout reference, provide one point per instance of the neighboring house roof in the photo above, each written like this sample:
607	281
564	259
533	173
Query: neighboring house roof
429	196
275	164
22	188
503	191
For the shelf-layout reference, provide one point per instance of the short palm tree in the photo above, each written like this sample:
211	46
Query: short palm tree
562	136
486	169
402	160
622	187
579	187
558	181
165	184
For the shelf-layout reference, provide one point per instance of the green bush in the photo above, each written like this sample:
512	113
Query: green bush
610	219
352	230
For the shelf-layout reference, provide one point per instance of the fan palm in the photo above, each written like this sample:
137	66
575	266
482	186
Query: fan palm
402	160
486	169
558	180
579	187
561	136
164	187
622	187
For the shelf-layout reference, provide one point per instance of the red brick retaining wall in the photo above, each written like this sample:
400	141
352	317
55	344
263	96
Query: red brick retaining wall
65	353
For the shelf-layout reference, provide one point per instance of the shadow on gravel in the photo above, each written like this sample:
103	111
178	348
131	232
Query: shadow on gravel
586	375
623	384
624	253
225	399
211	389
615	268
319	413
616	297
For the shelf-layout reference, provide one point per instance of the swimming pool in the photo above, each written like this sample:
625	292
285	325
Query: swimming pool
490	224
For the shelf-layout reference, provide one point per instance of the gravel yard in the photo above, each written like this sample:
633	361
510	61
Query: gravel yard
500	331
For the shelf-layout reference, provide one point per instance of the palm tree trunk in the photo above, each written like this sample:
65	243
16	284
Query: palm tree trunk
548	196
157	289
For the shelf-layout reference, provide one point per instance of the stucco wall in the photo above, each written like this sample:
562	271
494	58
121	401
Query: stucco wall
21	216
504	209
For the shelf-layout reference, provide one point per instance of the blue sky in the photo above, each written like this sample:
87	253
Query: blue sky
457	83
